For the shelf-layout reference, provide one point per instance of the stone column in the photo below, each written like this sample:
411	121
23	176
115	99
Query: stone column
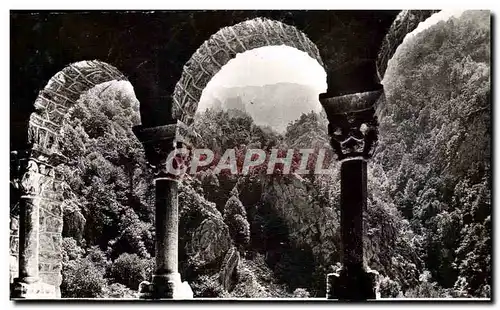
160	143
37	192
353	132
167	223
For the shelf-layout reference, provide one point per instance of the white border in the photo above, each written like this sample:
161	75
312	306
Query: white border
254	4
217	4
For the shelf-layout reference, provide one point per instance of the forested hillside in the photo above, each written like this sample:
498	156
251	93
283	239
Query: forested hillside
435	148
428	223
108	214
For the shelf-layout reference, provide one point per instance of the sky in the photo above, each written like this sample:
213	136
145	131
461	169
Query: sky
270	65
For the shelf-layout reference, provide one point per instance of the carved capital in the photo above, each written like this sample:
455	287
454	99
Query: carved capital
166	148
33	171
353	125
30	181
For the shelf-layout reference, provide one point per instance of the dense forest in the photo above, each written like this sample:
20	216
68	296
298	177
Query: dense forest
435	150
428	221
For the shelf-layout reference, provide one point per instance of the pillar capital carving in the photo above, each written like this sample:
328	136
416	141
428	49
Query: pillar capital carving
166	147
353	124
35	170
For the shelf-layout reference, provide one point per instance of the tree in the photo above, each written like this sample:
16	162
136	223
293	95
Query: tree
131	270
82	279
235	218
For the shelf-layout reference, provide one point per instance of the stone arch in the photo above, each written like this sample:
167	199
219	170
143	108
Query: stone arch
36	238
61	93
404	23
223	46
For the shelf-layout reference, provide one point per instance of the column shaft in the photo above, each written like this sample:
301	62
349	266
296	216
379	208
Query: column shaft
159	143
167	227
353	129
35	184
352	204
28	239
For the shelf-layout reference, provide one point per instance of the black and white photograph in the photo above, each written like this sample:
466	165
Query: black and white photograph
250	155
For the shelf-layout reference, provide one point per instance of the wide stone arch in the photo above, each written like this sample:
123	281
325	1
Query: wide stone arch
223	46
60	94
404	23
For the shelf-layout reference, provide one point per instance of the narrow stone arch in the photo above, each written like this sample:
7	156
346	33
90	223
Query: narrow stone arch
404	23
36	238
61	93
223	46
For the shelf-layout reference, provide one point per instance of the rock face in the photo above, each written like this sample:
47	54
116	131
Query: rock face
309	223
228	268
74	224
209	241
207	237
315	224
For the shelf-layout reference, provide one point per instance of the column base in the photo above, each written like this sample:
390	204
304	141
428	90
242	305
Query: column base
355	286
32	288
167	286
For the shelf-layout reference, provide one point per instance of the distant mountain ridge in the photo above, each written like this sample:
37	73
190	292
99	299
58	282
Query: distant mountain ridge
272	105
